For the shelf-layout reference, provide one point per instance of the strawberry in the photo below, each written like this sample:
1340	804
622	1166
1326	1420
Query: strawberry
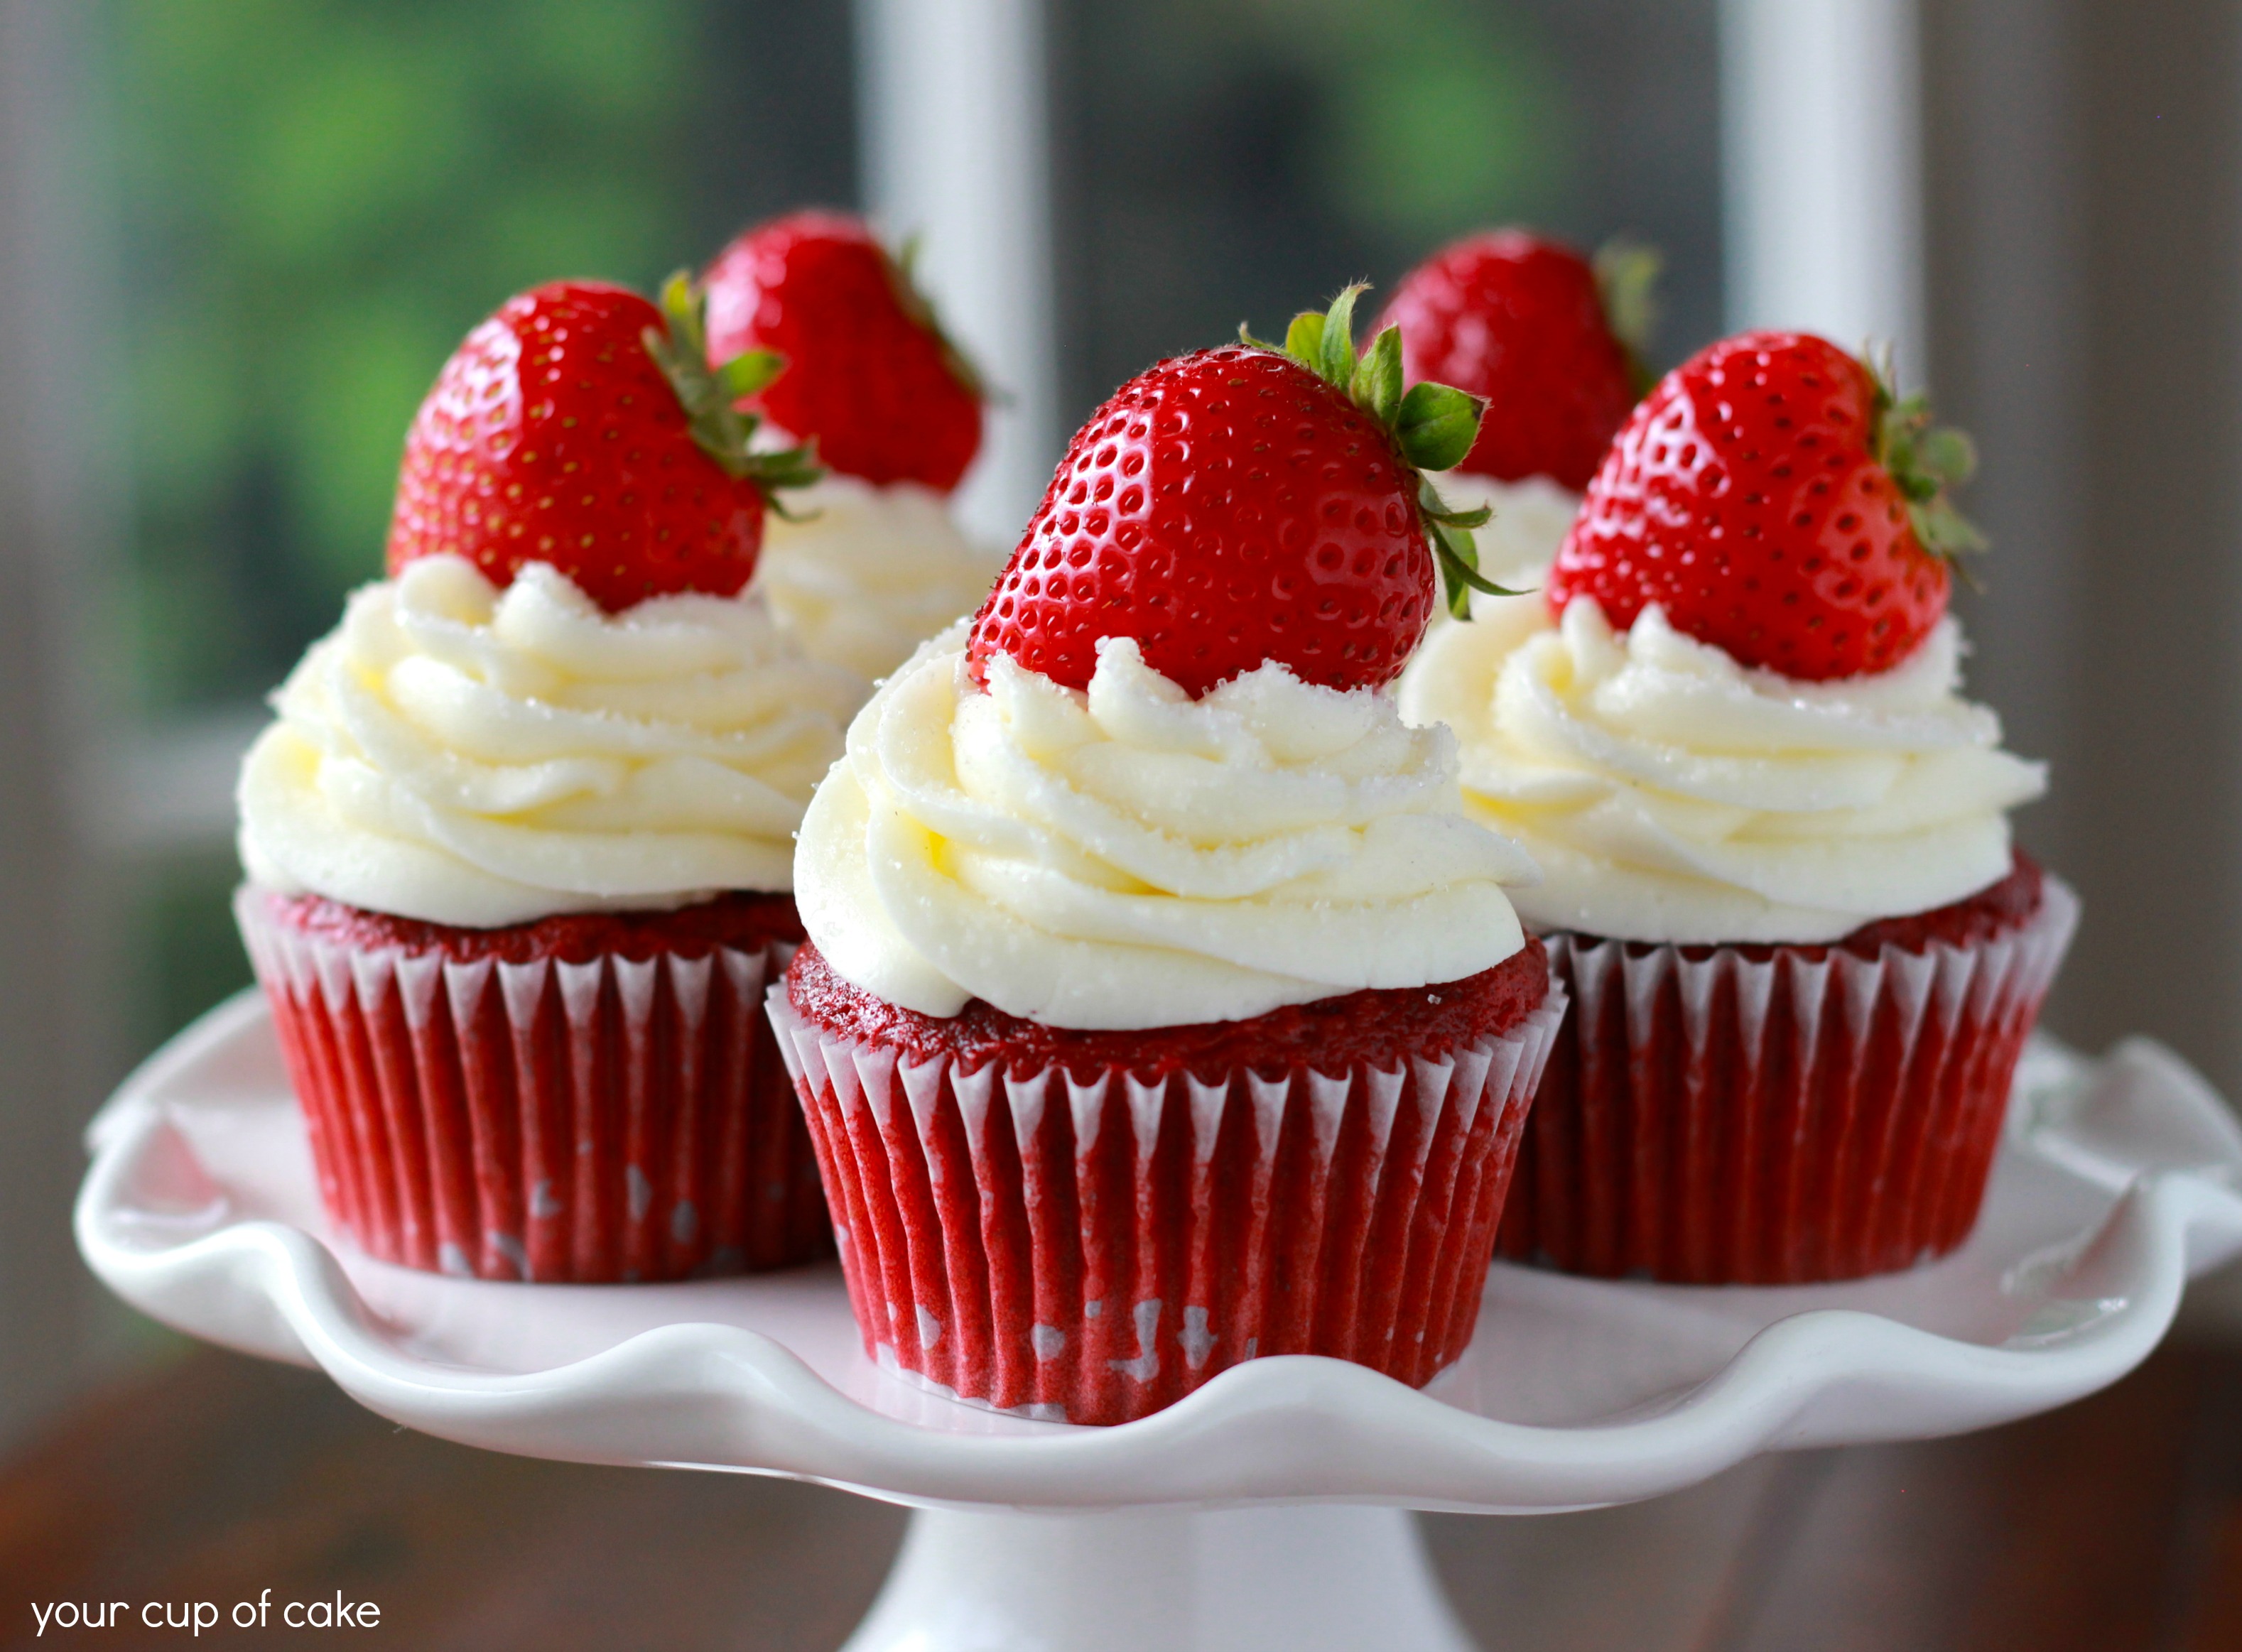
1774	498
1244	505
580	426
873	381
1547	338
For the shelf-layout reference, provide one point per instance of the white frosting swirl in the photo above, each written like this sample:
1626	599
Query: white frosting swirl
1128	857
872	574
466	756
1670	794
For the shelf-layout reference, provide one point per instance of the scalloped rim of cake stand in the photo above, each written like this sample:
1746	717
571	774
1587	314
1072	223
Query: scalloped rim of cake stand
2137	1132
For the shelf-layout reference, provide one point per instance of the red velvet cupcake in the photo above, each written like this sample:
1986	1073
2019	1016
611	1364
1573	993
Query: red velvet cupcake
488	839
1781	1114
1321	1179
1776	870
1164	1011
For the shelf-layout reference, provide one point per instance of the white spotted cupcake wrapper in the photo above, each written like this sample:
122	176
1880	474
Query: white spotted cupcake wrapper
617	1119
1807	1114
1091	1246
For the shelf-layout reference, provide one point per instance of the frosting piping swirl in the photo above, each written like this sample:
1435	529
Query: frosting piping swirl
1670	794
469	756
1127	856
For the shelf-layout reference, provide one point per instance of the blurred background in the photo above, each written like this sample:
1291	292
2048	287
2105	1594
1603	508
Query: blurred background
237	238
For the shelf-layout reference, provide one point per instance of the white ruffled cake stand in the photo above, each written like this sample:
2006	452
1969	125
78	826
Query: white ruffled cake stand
1267	1510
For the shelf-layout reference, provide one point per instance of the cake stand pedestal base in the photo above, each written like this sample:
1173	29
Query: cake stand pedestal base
1306	1579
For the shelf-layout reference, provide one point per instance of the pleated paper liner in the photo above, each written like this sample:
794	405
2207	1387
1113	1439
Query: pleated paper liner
1723	1120
617	1119
1089	1246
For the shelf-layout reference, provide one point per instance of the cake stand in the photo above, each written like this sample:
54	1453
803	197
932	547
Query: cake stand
1266	1510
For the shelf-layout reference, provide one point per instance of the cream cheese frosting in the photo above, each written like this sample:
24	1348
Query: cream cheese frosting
872	573
477	757
1128	857
1669	794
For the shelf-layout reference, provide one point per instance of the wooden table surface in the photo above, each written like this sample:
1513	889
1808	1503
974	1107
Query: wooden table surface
2114	1525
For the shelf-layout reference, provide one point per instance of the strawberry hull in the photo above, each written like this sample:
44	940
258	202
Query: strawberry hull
1785	1114
583	1099
1091	1242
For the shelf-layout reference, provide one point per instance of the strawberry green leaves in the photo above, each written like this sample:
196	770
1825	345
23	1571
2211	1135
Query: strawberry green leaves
1626	280
1926	460
1434	425
1376	385
903	276
747	372
1450	533
710	396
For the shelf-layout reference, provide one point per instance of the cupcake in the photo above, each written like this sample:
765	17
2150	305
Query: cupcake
1777	876
1161	1008
518	847
867	563
1550	340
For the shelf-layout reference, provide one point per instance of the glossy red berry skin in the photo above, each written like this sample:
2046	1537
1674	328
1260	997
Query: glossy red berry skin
1743	498
864	377
551	436
1518	320
1223	509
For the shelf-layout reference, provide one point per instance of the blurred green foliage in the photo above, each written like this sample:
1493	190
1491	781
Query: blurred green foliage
1434	116
318	198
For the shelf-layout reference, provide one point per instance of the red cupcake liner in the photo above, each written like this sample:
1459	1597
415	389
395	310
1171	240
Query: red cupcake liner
1091	1248
1807	1114
617	1119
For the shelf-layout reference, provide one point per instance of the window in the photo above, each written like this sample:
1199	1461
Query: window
1220	161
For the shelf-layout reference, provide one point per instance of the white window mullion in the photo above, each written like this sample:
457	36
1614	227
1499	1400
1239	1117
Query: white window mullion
956	148
58	988
1821	137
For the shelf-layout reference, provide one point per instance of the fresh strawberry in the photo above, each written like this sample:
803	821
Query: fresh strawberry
1775	499
1545	336
871	378
1244	505
580	426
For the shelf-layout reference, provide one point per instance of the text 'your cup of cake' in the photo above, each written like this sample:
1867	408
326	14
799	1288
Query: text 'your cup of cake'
1162	1008
1777	876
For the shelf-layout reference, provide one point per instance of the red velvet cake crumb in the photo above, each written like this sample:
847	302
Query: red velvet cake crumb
746	920
1377	1028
